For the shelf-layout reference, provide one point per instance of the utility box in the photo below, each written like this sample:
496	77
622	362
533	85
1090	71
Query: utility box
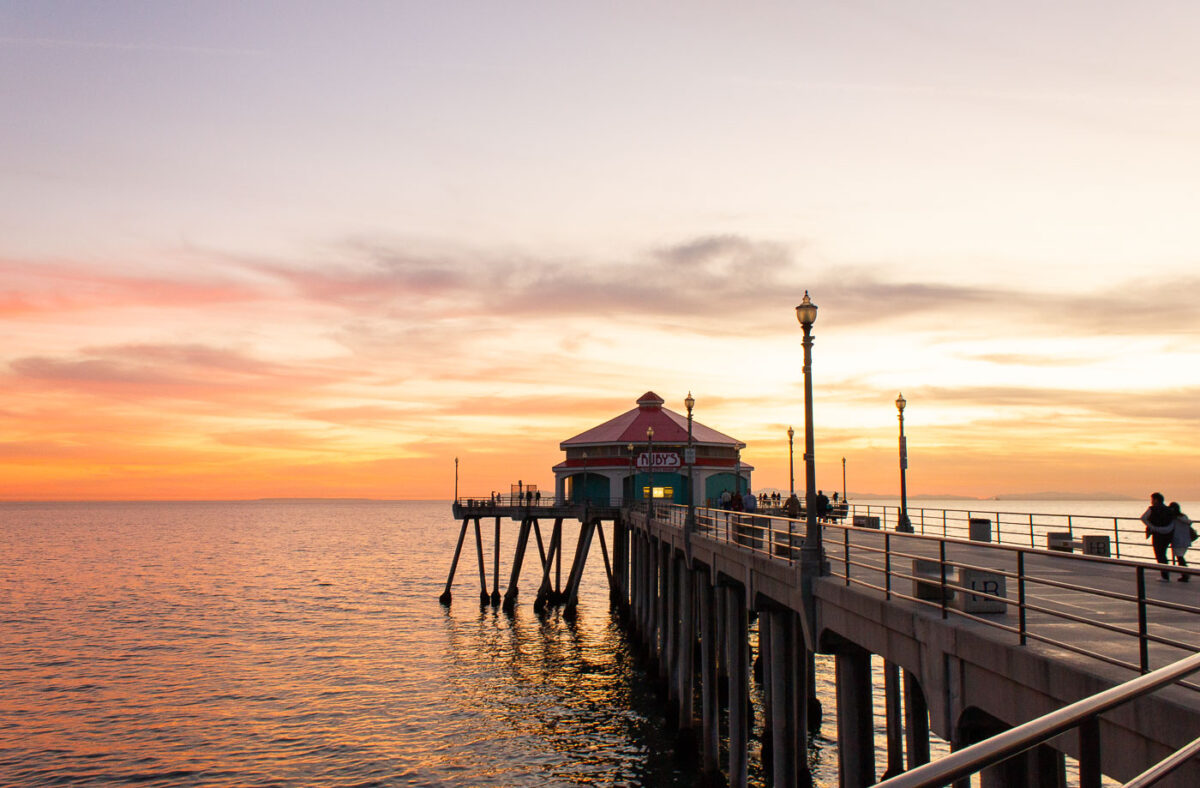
980	529
864	521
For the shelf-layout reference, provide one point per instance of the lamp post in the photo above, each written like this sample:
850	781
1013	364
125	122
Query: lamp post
629	448
456	480
690	456
650	465
812	555
843	480
791	465
904	524
737	470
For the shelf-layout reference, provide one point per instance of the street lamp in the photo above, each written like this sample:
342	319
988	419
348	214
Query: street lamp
737	469
791	465
629	448
904	524
812	555
844	481
690	456
456	480
650	462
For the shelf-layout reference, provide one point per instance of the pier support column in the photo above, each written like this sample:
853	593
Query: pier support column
654	598
789	761
895	726
587	530
916	721
496	565
484	596
547	592
709	693
761	672
510	595
685	657
637	549
739	684
662	617
671	591
462	535
855	722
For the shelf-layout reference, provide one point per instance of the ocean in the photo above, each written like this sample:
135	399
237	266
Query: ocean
299	643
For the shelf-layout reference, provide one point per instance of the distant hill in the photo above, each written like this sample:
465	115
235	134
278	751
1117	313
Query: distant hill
1065	496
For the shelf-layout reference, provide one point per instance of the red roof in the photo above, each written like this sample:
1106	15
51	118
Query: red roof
669	427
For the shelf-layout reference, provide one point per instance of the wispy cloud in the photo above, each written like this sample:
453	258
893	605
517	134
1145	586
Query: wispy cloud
118	46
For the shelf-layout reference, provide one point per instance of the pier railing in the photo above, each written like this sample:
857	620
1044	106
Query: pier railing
1017	528
1083	715
506	504
1037	593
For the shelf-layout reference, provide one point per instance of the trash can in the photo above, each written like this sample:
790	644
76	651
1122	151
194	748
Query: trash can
980	529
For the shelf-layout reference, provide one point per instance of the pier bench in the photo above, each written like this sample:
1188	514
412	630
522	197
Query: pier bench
1090	544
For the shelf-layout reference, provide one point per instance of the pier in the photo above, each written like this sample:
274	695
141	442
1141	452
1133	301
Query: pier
1035	645
979	630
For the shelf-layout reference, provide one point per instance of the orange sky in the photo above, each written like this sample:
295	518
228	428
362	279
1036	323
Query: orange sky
250	256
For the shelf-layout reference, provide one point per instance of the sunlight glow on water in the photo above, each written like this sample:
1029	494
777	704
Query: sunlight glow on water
298	644
301	643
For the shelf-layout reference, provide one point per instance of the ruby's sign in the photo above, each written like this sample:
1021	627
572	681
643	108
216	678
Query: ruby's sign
662	459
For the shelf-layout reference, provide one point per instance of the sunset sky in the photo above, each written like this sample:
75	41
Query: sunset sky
321	249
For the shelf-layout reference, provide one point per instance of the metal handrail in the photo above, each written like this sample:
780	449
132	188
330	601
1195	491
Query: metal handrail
1024	527
761	533
991	751
507	501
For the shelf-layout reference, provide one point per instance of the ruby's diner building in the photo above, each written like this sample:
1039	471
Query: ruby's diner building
617	462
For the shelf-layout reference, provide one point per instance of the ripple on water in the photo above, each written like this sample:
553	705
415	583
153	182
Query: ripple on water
295	644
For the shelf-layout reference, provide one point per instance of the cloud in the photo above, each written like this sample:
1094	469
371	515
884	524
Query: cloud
690	278
862	297
48	288
1119	407
186	370
1029	360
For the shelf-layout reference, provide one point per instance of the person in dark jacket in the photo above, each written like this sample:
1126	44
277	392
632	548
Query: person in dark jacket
1160	527
822	505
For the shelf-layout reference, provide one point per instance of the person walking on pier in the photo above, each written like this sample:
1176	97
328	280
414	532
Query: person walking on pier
1181	537
822	505
1160	528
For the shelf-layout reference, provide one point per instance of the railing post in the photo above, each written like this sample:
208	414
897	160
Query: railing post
1021	595
887	564
1070	527
1032	540
1116	537
943	523
999	530
1089	752
846	534
942	566
1143	644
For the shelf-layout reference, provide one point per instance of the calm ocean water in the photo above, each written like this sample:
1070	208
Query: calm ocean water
301	643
